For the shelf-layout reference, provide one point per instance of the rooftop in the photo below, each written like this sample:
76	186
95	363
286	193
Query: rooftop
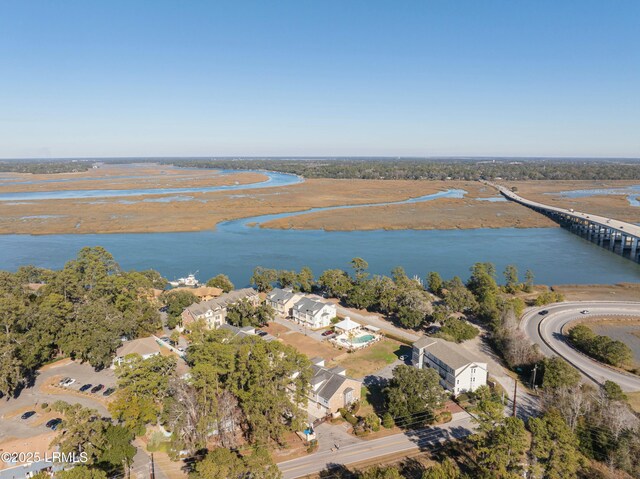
142	346
450	353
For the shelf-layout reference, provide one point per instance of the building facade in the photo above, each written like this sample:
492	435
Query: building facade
459	370
313	314
214	311
331	389
282	301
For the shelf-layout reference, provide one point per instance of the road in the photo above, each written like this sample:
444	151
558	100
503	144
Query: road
620	226
546	331
363	451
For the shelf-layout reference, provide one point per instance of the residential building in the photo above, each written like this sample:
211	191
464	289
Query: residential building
144	347
282	301
331	389
313	314
214	311
459	370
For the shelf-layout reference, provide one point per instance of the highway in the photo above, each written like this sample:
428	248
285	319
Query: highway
364	451
546	331
620	226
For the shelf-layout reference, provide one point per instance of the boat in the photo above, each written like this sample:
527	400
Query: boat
190	281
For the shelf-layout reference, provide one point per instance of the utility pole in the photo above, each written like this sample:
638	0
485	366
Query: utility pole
515	395
152	472
533	382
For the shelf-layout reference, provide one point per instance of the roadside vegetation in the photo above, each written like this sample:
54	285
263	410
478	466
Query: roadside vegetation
601	348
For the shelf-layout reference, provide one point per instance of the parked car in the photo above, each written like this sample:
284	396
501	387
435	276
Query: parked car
164	309
97	388
69	382
165	339
54	423
544	312
584	311
85	387
109	391
63	381
261	333
28	414
328	332
432	329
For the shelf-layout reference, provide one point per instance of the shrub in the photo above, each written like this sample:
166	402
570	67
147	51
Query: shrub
313	445
602	348
44	405
458	330
444	416
387	421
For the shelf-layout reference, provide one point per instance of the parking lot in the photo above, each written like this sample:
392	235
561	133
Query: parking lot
47	390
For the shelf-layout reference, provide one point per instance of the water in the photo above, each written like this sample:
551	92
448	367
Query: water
274	179
556	256
363	339
628	333
632	193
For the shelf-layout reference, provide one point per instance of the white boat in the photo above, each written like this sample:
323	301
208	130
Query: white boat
188	281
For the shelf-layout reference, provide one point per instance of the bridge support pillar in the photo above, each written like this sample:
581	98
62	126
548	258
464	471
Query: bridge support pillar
634	249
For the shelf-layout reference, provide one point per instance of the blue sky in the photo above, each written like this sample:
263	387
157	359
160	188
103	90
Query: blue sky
319	78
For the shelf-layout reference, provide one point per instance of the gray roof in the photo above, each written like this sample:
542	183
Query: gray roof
330	381
221	302
452	354
309	305
280	296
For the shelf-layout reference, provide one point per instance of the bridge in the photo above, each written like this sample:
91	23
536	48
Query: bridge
617	236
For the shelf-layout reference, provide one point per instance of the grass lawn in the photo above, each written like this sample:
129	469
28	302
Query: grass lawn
373	358
634	400
310	347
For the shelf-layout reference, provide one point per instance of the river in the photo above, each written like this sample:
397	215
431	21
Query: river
235	248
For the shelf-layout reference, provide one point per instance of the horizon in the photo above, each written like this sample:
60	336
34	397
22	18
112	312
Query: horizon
365	79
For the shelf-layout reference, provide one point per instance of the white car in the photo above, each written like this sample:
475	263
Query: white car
69	382
584	311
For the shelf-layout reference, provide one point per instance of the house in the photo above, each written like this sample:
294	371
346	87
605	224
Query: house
144	347
247	331
203	293
331	389
313	314
282	301
459	370
214	311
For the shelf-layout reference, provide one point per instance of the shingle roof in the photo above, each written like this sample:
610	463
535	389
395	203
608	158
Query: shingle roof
198	309
309	305
142	346
281	296
330	382
449	353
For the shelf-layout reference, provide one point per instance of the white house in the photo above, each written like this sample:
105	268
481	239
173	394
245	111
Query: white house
313	314
459	370
282	301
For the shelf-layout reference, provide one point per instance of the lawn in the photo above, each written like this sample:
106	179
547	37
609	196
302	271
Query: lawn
369	360
634	400
310	347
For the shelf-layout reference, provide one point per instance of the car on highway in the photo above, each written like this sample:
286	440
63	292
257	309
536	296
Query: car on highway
544	312
54	423
584	311
109	391
328	332
85	387
97	388
28	414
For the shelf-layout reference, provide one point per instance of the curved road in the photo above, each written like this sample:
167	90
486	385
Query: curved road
546	331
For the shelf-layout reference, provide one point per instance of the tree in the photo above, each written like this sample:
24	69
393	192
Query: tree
555	447
501	450
263	278
387	420
287	279
413	395
81	472
362	294
413	308
335	282
528	281
385	293
143	384
243	313
613	391
559	373
177	301
305	280
512	283
457	297
447	469
457	330
118	452
482	284
83	431
223	463
12	374
221	281
434	281
380	472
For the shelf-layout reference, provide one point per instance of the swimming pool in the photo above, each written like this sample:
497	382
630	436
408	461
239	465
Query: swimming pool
363	339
